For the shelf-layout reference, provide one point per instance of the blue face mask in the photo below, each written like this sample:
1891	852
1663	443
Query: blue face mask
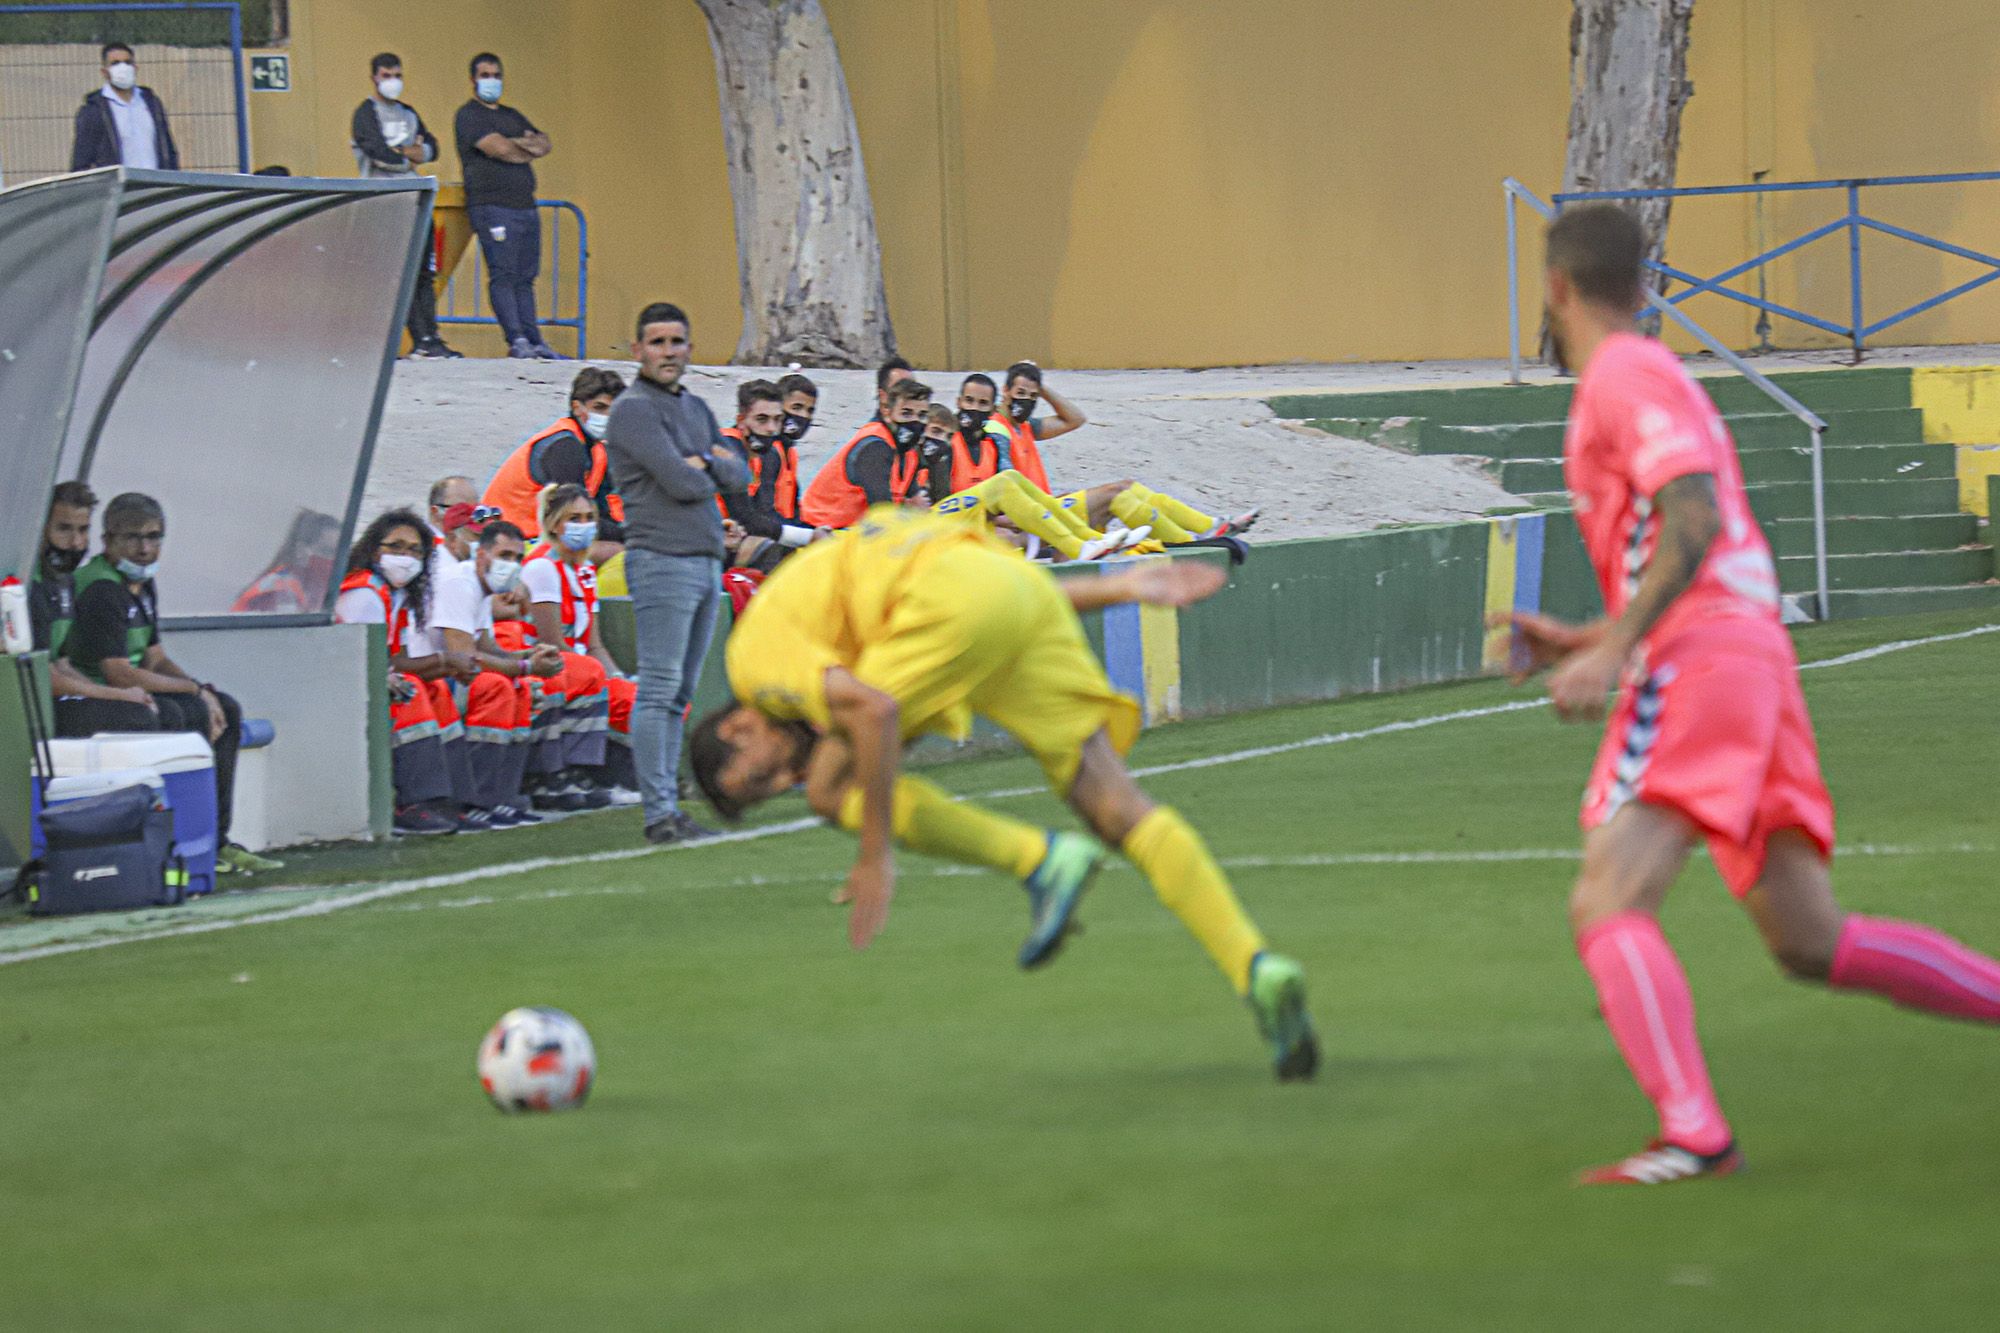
579	536
137	572
487	90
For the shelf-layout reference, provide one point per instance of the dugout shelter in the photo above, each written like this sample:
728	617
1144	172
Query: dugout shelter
223	343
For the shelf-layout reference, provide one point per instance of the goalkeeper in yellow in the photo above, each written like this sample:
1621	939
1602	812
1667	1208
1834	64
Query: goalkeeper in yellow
910	624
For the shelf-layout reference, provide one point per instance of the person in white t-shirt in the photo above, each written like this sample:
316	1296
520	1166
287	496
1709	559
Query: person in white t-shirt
595	767
501	702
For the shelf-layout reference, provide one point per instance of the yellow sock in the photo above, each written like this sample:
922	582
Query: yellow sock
1076	506
1182	514
1186	878
1059	511
1138	507
1035	512
928	821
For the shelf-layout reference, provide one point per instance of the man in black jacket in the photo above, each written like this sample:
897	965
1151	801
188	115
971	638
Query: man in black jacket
122	122
390	139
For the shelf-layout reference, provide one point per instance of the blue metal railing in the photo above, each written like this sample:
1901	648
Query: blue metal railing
1514	190
1858	327
552	271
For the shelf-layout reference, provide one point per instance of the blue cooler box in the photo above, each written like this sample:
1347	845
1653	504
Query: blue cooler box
184	763
88	784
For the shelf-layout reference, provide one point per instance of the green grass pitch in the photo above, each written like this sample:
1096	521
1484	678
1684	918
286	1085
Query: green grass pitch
278	1125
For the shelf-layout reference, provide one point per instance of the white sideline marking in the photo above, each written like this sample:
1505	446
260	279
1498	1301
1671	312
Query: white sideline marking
1881	649
340	897
1301	861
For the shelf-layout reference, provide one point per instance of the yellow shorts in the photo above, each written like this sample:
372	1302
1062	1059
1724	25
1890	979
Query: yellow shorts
981	633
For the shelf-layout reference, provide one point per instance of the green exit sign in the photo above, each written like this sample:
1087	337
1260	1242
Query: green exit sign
270	74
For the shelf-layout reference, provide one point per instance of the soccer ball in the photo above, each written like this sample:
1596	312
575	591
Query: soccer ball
537	1059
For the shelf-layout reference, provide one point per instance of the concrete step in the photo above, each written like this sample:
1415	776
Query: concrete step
1844	462
1892	569
1855	602
1867	536
1773	501
1543	439
1856	499
1822	390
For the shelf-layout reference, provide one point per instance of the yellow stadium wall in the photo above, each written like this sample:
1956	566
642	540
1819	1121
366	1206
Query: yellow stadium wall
1180	183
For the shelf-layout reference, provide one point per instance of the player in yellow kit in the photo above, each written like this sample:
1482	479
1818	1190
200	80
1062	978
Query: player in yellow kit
910	624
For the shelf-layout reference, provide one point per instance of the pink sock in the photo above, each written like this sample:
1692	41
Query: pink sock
1644	994
1918	967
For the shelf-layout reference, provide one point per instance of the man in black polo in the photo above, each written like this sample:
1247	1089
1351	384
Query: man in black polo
116	642
496	144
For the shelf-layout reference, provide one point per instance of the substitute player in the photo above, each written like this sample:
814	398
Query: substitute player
1710	738
912	623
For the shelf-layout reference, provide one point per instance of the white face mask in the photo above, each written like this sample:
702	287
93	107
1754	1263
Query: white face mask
596	424
123	76
502	575
399	569
487	90
390	88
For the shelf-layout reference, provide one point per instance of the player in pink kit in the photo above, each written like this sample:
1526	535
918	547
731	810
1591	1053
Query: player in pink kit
1709	738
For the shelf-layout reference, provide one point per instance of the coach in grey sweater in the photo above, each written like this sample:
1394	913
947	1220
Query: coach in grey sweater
670	462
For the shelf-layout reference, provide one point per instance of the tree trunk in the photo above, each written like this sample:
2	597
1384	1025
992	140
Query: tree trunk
807	255
1628	86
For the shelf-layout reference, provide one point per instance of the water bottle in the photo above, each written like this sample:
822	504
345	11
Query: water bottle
17	634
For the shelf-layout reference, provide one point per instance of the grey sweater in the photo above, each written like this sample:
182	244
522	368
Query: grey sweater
669	503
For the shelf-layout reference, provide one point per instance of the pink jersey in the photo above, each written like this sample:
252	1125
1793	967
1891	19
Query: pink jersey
1637	422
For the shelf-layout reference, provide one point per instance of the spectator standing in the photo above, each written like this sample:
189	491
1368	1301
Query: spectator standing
496	145
123	122
391	140
116	642
669	466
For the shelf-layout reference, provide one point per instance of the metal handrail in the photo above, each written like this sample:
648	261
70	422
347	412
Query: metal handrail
1853	222
1514	190
554	208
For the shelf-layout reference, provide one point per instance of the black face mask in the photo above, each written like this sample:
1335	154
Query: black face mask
1020	408
908	433
796	426
972	422
58	561
761	441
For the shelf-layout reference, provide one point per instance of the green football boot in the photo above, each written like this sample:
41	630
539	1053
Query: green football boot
1058	884
1278	998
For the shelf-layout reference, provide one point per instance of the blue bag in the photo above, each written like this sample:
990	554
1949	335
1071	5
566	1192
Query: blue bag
108	853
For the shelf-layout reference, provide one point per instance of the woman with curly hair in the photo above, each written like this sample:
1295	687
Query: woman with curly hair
388	584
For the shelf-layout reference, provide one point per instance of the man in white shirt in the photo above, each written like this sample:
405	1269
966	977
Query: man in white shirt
500	702
122	122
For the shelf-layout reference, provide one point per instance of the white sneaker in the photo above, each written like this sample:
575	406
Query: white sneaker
623	796
1097	548
1131	537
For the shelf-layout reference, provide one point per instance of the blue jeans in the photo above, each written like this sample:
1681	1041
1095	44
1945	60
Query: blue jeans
513	258
674	602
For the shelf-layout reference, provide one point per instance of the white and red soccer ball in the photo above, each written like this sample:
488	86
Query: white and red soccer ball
537	1059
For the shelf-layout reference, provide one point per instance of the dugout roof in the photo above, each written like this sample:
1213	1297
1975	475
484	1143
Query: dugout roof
222	343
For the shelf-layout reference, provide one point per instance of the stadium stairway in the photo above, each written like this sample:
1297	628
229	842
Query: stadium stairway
1898	539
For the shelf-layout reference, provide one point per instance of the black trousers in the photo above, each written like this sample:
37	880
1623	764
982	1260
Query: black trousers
422	322
87	717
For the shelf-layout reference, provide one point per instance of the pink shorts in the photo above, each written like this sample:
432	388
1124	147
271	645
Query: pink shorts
1717	729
